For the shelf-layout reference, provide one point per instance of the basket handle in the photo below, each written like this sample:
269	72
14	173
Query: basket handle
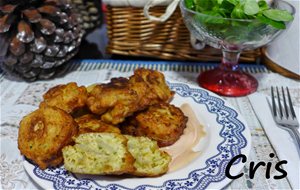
169	11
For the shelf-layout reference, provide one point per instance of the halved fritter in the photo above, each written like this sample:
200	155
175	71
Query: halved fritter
98	153
149	160
163	123
90	123
43	133
122	97
68	97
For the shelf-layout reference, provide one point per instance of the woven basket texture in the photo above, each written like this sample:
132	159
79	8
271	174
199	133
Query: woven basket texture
130	33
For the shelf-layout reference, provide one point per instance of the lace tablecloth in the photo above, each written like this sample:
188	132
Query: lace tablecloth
19	98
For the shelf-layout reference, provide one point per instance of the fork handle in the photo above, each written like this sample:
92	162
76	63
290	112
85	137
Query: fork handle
297	137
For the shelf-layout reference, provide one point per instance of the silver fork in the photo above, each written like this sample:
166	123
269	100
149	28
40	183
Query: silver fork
285	115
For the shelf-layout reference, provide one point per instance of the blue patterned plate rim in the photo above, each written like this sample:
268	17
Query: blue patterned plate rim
235	140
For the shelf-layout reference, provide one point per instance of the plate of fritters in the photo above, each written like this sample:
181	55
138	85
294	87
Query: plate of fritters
140	132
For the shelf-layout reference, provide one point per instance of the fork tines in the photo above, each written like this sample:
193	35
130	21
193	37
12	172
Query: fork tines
288	110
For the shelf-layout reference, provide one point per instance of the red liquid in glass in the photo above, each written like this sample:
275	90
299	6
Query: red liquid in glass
228	82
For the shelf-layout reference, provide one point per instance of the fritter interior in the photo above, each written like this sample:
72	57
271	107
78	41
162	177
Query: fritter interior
99	153
150	161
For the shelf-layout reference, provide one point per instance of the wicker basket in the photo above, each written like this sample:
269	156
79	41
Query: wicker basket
132	34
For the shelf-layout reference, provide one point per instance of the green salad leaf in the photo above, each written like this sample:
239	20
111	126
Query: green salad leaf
251	7
278	15
263	5
240	9
238	12
275	24
234	2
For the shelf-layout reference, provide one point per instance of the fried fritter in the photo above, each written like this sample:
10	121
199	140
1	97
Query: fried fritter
150	86
163	123
114	100
68	97
99	153
43	133
122	97
90	123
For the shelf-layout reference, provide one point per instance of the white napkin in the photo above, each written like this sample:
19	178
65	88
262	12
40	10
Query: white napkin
281	140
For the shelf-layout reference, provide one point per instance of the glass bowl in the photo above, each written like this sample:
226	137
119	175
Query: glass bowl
232	36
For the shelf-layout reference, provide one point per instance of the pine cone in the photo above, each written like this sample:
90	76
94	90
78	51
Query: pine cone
90	13
39	36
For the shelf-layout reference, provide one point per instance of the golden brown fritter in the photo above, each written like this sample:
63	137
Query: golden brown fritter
163	123
122	97
150	86
90	123
114	100
43	133
68	97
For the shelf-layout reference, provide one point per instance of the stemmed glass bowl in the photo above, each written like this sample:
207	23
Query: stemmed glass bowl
232	36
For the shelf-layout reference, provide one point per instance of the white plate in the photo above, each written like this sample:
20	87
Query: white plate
227	136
